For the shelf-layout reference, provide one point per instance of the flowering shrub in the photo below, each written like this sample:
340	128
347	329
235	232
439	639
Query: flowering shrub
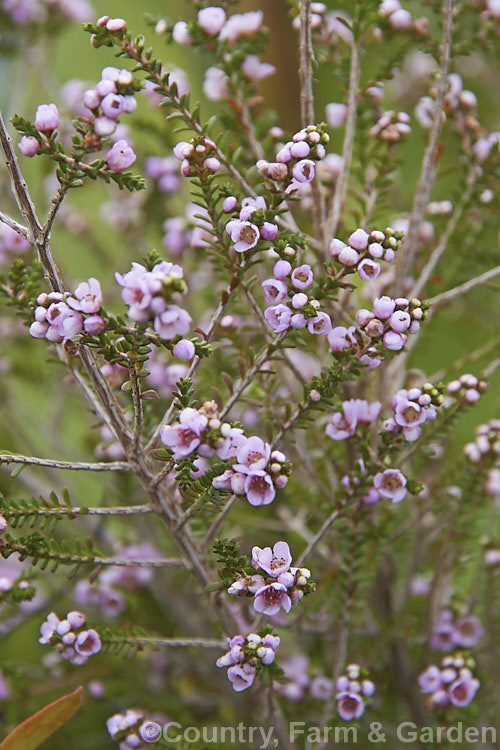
293	379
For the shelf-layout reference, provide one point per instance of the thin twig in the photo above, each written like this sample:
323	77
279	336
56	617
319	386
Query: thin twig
7	458
347	150
440	248
65	511
456	291
138	414
407	253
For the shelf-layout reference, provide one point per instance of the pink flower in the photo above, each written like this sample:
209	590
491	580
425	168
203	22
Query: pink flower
341	338
255	70
274	291
121	156
462	691
88	297
391	483
241	676
271	598
274	561
87	643
244	235
336	114
279	317
259	489
174	321
252	456
211	19
467	632
320	324
350	706
46	118
302	277
215	84
303	171
28	145
185	436
430	680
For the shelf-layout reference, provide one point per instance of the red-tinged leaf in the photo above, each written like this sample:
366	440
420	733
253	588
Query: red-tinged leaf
35	730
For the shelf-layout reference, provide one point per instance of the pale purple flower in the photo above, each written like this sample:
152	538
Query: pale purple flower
212	19
430	680
383	307
241	25
113	105
88	296
341	338
320	324
28	145
302	277
274	561
400	321
252	456
467	632
391	483
368	270
46	118
215	84
241	676
255	70
180	33
233	440
348	256
244	235
94	325
116	24
184	349
393	341
442	635
350	706
174	321
341	426
359	239
462	691
268	231
274	291
87	643
336	114
185	436
303	170
271	598
321	688
259	489
279	317
408	413
121	156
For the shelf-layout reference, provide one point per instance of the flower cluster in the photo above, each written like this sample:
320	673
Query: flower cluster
197	156
61	316
353	690
458	102
296	160
342	424
27	12
391	320
246	657
391	126
149	296
255	471
401	19
251	224
363	251
283	585
467	388
132	730
103	105
290	305
213	22
411	409
451	683
486	444
69	637
466	632
164	171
